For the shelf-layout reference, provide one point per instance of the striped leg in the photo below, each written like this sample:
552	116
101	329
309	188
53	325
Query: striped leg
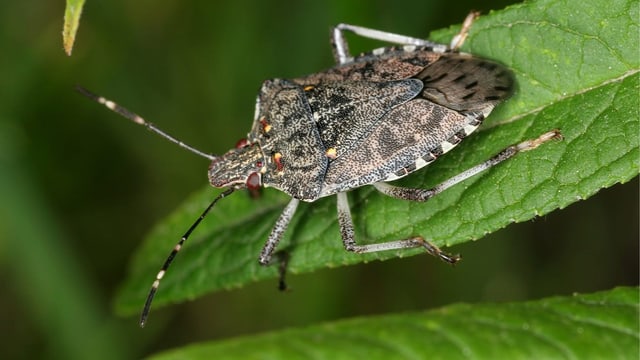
344	212
274	238
426	194
348	237
278	231
341	48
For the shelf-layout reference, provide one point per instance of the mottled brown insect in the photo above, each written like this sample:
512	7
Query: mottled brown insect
368	120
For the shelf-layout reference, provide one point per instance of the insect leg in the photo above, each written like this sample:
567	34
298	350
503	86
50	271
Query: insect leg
344	213
341	49
426	194
278	231
459	39
283	262
348	237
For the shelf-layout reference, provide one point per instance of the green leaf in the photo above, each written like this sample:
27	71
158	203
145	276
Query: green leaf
603	325
72	14
577	68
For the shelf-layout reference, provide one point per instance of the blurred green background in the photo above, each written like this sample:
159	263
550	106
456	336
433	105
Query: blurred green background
80	187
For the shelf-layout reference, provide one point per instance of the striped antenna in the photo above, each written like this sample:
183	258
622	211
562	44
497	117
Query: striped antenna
172	255
138	120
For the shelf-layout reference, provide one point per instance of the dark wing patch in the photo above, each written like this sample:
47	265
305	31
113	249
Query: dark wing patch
345	112
464	83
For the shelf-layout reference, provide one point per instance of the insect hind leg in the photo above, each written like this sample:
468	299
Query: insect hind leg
460	37
341	48
426	194
346	222
348	237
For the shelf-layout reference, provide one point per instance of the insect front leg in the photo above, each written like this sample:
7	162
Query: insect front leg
341	48
278	231
348	237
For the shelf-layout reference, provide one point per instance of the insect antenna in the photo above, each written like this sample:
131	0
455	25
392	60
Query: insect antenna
138	120
124	112
172	255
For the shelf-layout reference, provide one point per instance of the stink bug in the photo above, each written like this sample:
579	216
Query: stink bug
370	119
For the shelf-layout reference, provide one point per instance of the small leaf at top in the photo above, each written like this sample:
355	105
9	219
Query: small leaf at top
72	14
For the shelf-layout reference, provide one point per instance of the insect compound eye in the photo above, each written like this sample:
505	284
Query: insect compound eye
242	143
254	181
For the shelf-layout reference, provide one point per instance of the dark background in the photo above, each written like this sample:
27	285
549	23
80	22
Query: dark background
80	187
